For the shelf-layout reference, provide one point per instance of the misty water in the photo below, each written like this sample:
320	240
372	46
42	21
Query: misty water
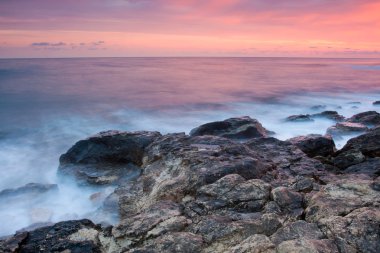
46	105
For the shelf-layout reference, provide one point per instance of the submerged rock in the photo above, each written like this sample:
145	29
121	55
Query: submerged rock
233	128
300	118
376	103
28	192
314	144
332	115
370	118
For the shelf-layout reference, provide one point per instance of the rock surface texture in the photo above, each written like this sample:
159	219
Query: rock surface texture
227	187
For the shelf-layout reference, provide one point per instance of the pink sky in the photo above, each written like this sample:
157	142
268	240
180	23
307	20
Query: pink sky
78	28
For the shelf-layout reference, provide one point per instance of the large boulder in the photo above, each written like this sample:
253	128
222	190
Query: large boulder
107	157
332	115
368	144
370	118
314	144
233	128
346	128
67	236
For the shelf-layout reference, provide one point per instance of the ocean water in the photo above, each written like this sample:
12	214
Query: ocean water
46	105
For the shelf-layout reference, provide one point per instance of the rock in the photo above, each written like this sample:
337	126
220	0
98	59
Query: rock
370	167
286	198
376	103
340	198
254	244
346	128
346	159
314	144
370	118
299	229
318	107
287	159
358	231
28	192
234	189
368	144
177	164
300	118
172	243
307	246
12	244
332	115
303	184
233	128
107	158
68	236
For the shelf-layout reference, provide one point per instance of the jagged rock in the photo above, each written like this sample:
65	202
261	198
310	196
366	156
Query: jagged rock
342	197
303	184
346	128
287	159
107	157
332	115
172	243
286	198
233	189
348	158
254	244
314	144
371	167
358	231
299	229
300	118
177	164
307	246
370	118
233	128
12	244
68	236
368	144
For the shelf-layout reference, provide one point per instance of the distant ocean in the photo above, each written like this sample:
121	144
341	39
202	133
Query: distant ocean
46	105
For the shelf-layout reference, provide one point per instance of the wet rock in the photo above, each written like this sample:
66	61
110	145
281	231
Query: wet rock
233	128
318	107
376	103
332	115
358	231
299	229
368	144
370	167
254	244
300	118
314	144
307	246
172	243
27	192
12	244
106	158
346	128
370	118
72	236
346	159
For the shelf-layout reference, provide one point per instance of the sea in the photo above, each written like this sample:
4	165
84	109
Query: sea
46	105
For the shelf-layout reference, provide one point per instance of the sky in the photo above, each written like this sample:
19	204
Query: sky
140	28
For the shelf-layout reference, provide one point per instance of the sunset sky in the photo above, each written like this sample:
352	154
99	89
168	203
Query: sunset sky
81	28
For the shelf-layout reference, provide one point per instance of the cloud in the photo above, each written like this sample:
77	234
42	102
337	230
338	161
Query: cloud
48	44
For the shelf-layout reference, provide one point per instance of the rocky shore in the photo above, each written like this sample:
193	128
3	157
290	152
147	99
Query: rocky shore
227	187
